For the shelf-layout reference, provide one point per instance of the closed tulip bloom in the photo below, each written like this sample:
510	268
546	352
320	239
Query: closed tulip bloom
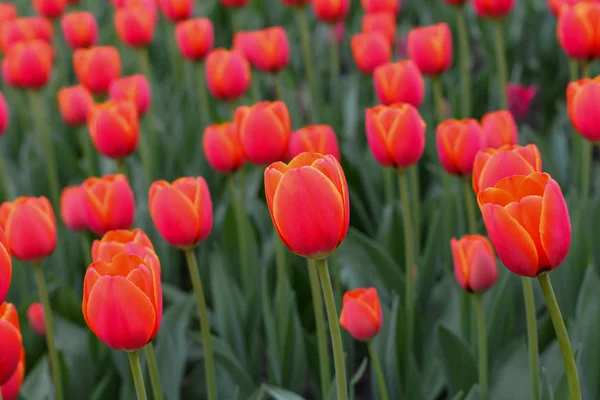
195	38
182	211
309	203
519	99
123	241
499	128
267	49
457	144
176	10
114	128
314	139
108	203
10	341
74	104
5	267
399	82
493	8
396	134
528	222
10	390
583	98
28	64
361	313
30	227
97	67
227	74
8	12
25	29
430	47
80	29
234	3
492	165
264	130
222	147
72	208
135	25
384	22
370	50
35	316
4	114
133	88
331	11
376	6
556	6
50	8
121	302
475	267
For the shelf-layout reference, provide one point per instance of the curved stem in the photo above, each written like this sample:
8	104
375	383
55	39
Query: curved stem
464	58
209	364
240	221
482	346
416	205
157	393
306	52
202	94
334	328
438	99
317	299
471	216
501	63
378	372
136	371
562	336
532	337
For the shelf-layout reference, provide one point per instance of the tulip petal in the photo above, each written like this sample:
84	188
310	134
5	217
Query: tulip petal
10	348
533	185
359	320
500	166
273	175
483	272
91	277
175	217
494	196
555	224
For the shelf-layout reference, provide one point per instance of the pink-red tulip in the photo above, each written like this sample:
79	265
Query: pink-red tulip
493	8
519	99
457	144
314	139
475	266
4	115
135	25
97	67
375	6
80	29
195	38
35	316
430	47
134	88
176	10
72	208
10	390
583	98
399	82
25	29
74	104
10	341
108	203
267	49
384	22
222	147
361	313
499	128
331	11
370	50
114	128
227	74
50	8
28	64
5	267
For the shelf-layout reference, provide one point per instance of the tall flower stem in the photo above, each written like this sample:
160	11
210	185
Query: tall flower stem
209	364
7	189
388	185
85	143
464	58
202	94
136	371
304	28
240	221
416	205
121	166
532	337
157	392
148	139
562	336
50	341
586	156
471	216
276	87
438	99
578	140
482	346
378	372
280	259
334	329
86	245
334	60
172	50
501	63
317	299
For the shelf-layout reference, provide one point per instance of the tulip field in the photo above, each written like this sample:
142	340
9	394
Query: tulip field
299	199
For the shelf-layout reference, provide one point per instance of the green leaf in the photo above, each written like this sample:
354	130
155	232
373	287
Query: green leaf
38	383
547	393
281	394
474	393
461	370
226	358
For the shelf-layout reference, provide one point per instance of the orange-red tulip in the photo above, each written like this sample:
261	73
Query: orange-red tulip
314	139
30	227
370	50
72	208
227	74
181	211
97	67
309	203
80	29
430	47
375	6
493	8
25	30
519	99
499	128
475	267
74	104
195	38
234	3
122	301
28	64
361	313
583	98
134	88
114	128
5	267
10	341
50	8
267	49
35	316
264	130
135	25
492	165
457	144
331	11
384	22
399	82
4	114
222	147
578	30
396	134
108	203
556	6
176	10
123	241
10	390
8	12
528	222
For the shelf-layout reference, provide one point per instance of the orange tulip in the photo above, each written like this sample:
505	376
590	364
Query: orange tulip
4	115
28	64
97	67
267	49
25	30
264	130
74	104
399	82
499	128
176	10
108	203
50	8
122	301
384	22
5	267
135	25
195	38
331	11
314	139
361	313
30	227
114	128
457	144
370	50
583	98
222	147
396	134
475	267
72	208
309	203
133	88
430	47
10	341
10	390
80	29
227	74
578	30
35	316
493	8
528	222
123	241
375	6
492	165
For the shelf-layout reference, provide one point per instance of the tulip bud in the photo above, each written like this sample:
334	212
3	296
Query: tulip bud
72	209
28	65
4	115
528	223
396	135
97	67
79	29
182	211
267	49
314	139
376	6
108	203
519	99
134	88
583	98
264	130
10	390
114	128
50	8
227	74
234	3
35	316
475	267
361	313
176	10
457	144
430	47
499	128
309	203
30	227
122	302
5	267
25	30
384	22
493	8
135	25
399	82
222	147
370	50
74	104
331	11
10	341
195	38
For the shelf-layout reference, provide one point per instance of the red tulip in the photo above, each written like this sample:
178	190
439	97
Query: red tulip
135	25
5	267
331	11
314	139
8	12
4	115
25	30
370	50
222	147
457	144
475	267
114	128
72	209
556	6
384	22
28	64
176	10
499	128
97	67
10	390
10	342
267	49
195	38
361	313
583	98
519	99
134	88
123	241
50	8
79	29
74	104
430	47
227	74
399	82
375	6
108	203
35	316
493	8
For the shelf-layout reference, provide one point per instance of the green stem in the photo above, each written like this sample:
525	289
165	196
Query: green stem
317	299
482	344
561	335
52	353
438	99
136	371
142	53
501	63
121	166
416	205
466	315
209	365
334	54
172	49
202	94
303	26
5	181
464	58
276	88
86	247
240	221
157	392
532	337
280	259
388	185
145	156
585	69
378	372
334	329
147	140
577	140
586	167
255	86
471	216
235	21
85	143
